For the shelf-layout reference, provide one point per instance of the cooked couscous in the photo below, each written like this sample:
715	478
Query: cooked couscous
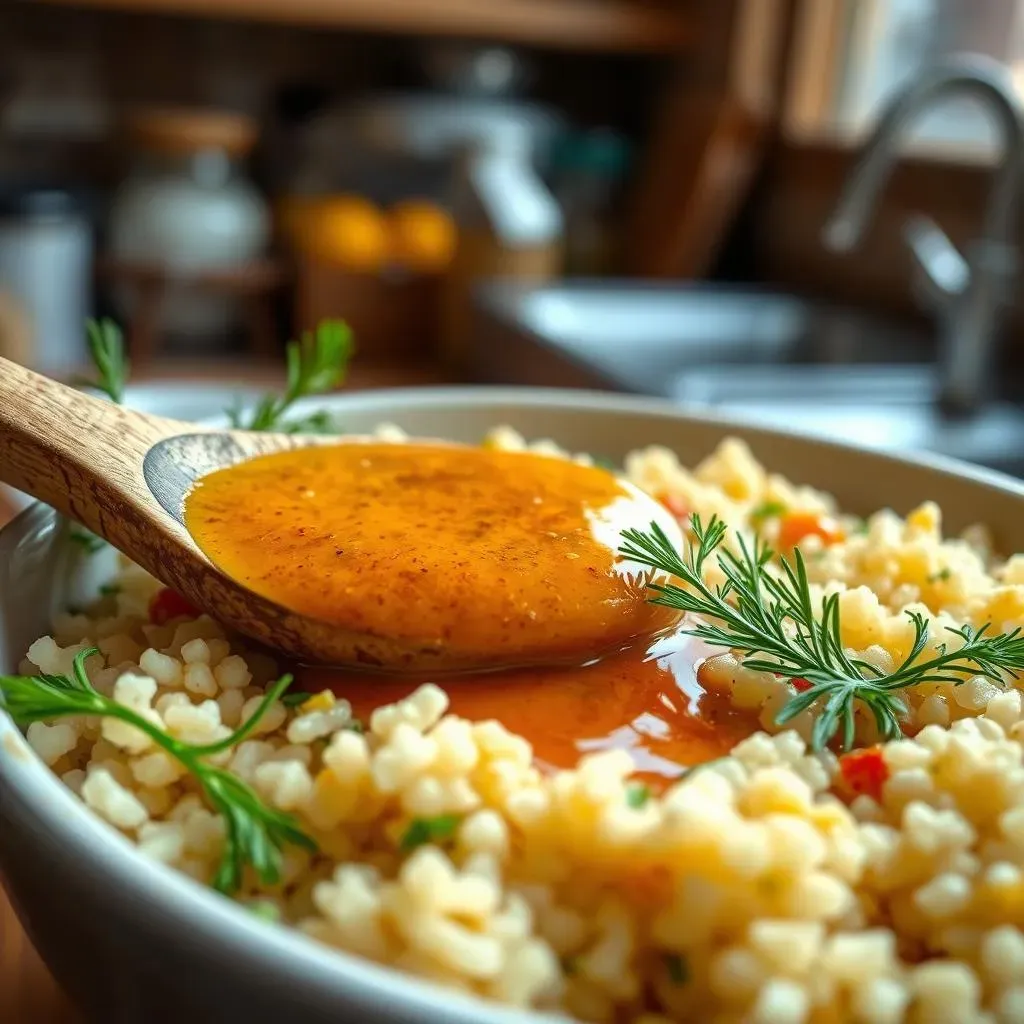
773	885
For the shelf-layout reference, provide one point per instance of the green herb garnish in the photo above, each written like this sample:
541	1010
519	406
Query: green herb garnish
767	510
264	910
316	364
295	699
677	969
429	830
941	576
88	542
106	346
637	794
110	589
770	619
255	833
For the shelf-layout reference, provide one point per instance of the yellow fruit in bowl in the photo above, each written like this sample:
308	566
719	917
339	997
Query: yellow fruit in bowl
348	231
423	236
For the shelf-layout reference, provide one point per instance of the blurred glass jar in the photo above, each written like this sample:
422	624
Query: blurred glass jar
187	208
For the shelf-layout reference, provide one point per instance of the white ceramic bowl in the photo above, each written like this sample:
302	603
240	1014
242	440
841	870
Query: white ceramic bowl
132	941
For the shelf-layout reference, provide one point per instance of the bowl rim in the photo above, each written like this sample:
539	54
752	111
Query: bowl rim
104	855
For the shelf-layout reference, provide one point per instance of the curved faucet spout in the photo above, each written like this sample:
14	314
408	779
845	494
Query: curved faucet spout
977	76
969	291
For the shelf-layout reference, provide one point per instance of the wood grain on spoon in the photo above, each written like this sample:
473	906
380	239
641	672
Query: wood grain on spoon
84	457
529	539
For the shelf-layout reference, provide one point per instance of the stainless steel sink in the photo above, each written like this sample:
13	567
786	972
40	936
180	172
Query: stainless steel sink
767	357
639	337
893	408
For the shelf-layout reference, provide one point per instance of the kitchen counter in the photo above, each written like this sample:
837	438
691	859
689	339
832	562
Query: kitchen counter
28	993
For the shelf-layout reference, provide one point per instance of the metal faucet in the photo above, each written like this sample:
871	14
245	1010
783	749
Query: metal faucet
967	293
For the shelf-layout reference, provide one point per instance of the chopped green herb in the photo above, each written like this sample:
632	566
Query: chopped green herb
860	529
677	969
295	699
316	364
110	589
88	542
637	794
603	463
941	576
767	510
429	830
355	726
265	910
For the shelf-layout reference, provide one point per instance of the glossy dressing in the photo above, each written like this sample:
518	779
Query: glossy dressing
649	703
507	557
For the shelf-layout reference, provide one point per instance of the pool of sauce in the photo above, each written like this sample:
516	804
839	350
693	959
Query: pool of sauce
646	702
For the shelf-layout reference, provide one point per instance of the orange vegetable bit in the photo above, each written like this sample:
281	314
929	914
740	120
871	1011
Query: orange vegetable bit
679	507
797	526
168	604
864	771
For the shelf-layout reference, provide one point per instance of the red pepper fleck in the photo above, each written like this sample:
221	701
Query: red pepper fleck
865	771
800	684
676	505
168	604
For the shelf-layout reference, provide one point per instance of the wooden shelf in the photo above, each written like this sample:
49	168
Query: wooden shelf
613	26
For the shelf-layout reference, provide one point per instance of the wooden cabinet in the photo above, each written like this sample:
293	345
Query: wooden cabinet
614	26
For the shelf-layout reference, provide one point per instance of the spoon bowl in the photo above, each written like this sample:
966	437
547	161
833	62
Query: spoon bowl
125	476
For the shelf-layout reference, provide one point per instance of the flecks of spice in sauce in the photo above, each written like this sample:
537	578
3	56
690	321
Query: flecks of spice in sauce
506	557
648	703
507	554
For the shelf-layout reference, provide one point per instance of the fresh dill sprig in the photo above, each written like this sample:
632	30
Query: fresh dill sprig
316	364
255	834
770	620
106	347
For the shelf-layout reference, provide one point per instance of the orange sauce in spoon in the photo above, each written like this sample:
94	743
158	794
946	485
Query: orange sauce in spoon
507	558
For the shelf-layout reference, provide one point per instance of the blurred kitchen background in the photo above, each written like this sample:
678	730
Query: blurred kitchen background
625	194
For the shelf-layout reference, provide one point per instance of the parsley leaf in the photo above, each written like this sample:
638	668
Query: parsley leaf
315	364
429	830
637	794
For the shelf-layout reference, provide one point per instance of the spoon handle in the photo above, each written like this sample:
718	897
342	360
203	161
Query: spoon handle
79	454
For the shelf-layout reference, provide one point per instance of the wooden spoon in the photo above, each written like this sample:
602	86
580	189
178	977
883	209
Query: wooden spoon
124	475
